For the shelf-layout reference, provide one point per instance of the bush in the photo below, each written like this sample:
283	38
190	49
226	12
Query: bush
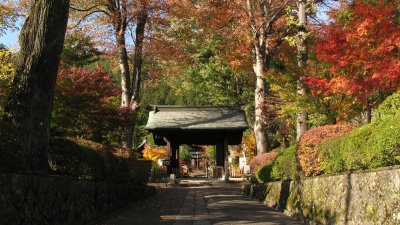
308	151
371	146
284	167
263	174
389	107
259	160
78	158
11	158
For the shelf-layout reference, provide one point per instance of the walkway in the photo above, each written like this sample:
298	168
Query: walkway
197	203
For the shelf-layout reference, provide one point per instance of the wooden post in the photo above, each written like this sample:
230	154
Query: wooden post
220	154
226	154
170	150
173	156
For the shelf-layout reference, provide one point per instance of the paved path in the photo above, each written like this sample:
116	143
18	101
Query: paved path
197	205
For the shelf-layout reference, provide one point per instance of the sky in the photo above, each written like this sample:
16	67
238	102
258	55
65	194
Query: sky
10	38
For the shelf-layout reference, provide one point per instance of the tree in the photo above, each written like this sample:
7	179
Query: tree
79	50
119	14
362	47
30	101
8	17
302	57
268	31
83	104
7	72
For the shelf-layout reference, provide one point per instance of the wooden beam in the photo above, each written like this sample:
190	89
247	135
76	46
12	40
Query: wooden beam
226	162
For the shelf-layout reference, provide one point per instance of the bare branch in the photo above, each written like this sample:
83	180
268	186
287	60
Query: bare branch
83	10
86	16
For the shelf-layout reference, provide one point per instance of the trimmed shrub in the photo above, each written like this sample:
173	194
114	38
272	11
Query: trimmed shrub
284	167
308	152
259	160
389	107
80	159
263	174
371	146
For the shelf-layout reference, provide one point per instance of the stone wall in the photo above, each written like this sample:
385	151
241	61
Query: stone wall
27	199
368	197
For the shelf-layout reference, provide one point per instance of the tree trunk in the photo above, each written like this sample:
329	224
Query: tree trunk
125	82
260	126
138	60
124	69
302	57
368	115
30	101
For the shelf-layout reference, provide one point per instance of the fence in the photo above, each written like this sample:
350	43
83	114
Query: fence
236	172
160	175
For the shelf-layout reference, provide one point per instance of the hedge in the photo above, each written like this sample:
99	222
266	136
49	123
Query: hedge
67	157
371	146
284	167
308	151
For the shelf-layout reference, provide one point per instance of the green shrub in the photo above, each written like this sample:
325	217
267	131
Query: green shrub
371	146
67	157
11	157
263	174
284	167
389	107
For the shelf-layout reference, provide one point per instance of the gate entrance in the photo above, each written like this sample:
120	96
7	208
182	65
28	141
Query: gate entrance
197	125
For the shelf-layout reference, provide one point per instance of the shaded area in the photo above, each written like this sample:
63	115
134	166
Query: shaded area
198	204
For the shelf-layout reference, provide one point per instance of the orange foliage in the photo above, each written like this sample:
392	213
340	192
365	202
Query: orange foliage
154	153
308	152
248	145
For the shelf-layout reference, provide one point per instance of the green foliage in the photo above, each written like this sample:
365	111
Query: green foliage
284	167
389	107
7	72
10	150
67	157
184	154
263	174
371	146
78	50
210	152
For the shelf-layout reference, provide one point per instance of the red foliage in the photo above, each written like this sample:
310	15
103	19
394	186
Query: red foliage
308	153
83	102
260	160
363	53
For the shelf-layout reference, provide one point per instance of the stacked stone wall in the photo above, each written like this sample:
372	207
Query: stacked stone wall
32	199
365	197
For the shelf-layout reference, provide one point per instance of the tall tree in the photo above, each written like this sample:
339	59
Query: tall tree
268	31
119	14
302	57
30	101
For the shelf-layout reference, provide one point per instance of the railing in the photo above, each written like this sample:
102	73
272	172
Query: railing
235	172
217	172
159	175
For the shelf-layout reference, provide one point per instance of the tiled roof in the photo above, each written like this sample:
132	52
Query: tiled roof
196	118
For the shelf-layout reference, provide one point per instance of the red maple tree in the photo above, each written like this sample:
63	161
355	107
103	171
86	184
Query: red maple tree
361	46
